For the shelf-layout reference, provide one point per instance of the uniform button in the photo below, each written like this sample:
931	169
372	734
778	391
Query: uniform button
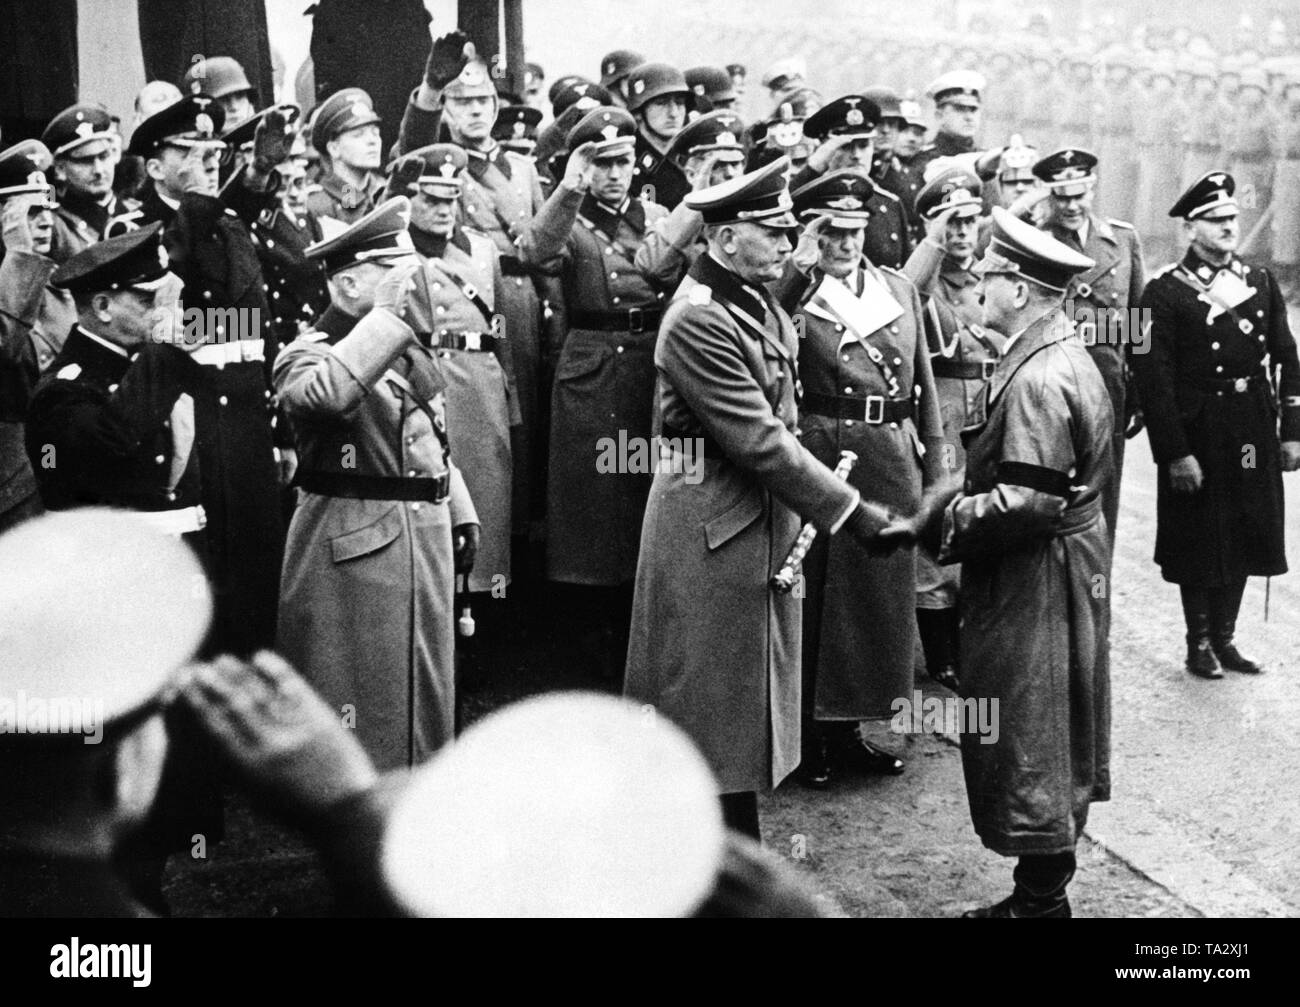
112	389
845	358
1113	269
413	473
618	349
893	328
617	299
839	328
160	459
1214	346
437	286
1261	339
893	426
519	281
848	390
893	237
1219	369
224	400
898	361
207	295
613	276
410	439
270	243
442	309
171	495
1259	314
608	250
416	505
848	423
275	293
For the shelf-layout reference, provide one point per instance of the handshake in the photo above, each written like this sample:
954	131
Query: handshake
881	532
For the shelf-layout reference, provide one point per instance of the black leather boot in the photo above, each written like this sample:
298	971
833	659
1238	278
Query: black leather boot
1225	603
1201	661
1041	881
936	627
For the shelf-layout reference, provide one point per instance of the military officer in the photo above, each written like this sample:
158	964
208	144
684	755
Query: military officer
887	171
295	286
34	317
461	282
502	193
709	151
1029	533
908	140
659	97
588	234
1013	170
963	354
384	520
112	421
713	647
846	131
957	103
86	148
1212	396
1102	299
867	388
345	132
213	255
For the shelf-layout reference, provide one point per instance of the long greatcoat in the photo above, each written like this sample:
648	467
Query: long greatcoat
859	619
1035	620
482	406
1233	526
603	394
366	595
712	646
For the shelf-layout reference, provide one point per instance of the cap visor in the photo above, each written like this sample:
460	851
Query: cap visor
613	148
782	221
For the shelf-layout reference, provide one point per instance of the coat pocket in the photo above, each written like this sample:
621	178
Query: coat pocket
732	521
579	362
368	539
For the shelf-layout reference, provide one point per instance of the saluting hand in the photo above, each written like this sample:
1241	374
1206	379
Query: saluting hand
578	171
396	287
820	159
271	142
13	223
194	173
1291	456
808	252
447	58
1185	475
936	228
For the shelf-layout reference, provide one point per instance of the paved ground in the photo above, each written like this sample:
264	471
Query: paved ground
1204	819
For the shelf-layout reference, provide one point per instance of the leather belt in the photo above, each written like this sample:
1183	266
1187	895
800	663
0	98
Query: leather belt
474	342
632	320
1223	385
360	487
512	266
873	409
967	370
181	521
236	351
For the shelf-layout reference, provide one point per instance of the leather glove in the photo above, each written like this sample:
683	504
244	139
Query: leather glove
271	142
405	177
464	540
866	523
447	58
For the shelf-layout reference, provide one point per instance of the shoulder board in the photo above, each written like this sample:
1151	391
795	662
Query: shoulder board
231	212
700	295
1120	223
70	372
887	193
312	336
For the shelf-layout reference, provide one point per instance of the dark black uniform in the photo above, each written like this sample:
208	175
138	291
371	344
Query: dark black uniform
1206	392
655	169
211	252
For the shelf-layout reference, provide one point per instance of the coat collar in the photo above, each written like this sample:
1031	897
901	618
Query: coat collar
479	160
1097	227
956	275
335	323
435	247
346	196
94	355
727	286
1053	327
606	220
1204	271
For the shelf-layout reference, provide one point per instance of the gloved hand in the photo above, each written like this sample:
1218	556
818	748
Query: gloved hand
578	169
405	177
808	252
447	58
1291	456
14	229
866	523
464	540
395	288
272	141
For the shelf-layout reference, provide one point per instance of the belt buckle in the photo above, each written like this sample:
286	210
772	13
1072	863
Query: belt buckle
635	320
878	401
987	367
473	341
1240	385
